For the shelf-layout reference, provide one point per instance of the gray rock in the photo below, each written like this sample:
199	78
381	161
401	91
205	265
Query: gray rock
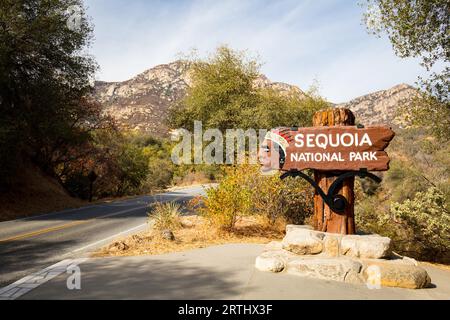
354	278
371	246
335	269
270	262
331	245
168	235
407	260
302	241
273	246
411	261
395	274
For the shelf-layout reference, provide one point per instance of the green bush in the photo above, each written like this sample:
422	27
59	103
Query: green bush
231	199
244	191
426	221
159	176
418	227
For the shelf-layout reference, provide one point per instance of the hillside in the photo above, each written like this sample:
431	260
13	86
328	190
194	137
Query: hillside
142	102
381	106
34	192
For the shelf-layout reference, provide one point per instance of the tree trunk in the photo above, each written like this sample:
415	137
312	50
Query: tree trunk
324	218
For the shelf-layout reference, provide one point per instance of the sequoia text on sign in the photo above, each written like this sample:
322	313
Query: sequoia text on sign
329	148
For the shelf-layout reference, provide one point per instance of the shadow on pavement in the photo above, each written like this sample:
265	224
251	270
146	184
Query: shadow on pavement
20	258
153	279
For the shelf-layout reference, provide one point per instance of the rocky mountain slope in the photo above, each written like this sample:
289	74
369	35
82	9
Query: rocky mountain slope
142	102
381	107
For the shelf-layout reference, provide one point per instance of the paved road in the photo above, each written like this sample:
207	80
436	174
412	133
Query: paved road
218	272
31	244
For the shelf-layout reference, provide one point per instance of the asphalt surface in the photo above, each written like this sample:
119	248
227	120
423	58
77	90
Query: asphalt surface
218	272
31	244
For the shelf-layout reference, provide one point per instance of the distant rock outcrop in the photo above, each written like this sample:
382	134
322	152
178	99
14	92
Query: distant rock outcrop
381	107
142	103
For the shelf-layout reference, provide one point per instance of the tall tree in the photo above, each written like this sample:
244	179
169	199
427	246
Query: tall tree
223	95
420	28
44	80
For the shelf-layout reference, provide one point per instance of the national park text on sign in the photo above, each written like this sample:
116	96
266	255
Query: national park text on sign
334	148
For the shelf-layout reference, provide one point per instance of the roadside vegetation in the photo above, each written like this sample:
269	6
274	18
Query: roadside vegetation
165	215
51	124
412	204
223	95
191	230
245	192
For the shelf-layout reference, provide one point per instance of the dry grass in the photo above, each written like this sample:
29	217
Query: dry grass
195	232
32	193
192	178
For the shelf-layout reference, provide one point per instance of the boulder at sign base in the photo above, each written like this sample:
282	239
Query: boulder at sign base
303	241
400	275
372	246
335	269
269	262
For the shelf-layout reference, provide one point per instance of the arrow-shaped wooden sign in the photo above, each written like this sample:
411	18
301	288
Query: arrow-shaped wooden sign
327	148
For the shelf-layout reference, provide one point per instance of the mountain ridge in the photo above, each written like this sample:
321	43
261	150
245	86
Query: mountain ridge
142	102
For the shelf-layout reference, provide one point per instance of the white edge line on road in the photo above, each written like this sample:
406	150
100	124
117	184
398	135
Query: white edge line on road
30	282
109	238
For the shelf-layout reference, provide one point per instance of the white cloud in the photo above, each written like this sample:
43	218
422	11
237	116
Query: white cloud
297	40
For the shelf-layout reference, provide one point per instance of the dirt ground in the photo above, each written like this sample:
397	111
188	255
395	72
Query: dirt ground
195	232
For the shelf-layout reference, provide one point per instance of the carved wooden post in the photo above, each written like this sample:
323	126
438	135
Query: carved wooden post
324	218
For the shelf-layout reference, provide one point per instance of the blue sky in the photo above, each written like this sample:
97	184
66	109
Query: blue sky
298	41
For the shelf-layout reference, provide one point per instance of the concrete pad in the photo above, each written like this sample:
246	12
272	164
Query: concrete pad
210	273
219	272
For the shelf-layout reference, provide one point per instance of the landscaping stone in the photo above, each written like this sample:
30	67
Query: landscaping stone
404	259
331	245
168	235
411	261
302	241
370	246
356	259
270	262
273	246
354	278
324	268
399	274
291	227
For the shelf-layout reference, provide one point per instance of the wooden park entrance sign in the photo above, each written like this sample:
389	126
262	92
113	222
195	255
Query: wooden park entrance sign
337	151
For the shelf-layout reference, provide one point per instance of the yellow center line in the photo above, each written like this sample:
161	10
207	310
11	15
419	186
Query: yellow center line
60	227
42	231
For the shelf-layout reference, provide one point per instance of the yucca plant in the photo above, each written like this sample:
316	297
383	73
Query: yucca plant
165	215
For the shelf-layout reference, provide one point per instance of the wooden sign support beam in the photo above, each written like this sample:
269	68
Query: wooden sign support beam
324	218
337	151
